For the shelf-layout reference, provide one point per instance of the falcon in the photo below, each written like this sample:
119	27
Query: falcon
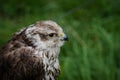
32	53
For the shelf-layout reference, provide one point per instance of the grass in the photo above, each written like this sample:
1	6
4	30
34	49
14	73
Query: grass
92	52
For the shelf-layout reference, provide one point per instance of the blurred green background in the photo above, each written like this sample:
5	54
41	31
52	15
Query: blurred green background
93	27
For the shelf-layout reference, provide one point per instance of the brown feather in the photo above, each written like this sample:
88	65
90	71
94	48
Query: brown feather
17	61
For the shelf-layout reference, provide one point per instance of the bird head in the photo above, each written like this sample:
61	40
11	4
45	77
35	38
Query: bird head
46	34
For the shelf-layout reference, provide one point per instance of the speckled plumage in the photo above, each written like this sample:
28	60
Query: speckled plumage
32	53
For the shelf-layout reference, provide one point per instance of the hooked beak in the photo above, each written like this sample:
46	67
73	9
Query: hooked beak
65	38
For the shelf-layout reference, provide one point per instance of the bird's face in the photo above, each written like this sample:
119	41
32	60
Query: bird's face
46	34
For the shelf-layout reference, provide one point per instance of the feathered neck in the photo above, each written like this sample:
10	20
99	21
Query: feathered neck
50	62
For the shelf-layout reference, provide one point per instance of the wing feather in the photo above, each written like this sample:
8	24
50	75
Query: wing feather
17	62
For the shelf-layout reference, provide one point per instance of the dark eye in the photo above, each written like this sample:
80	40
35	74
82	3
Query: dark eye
51	34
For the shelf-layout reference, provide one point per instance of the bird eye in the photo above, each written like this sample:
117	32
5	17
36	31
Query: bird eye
51	34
